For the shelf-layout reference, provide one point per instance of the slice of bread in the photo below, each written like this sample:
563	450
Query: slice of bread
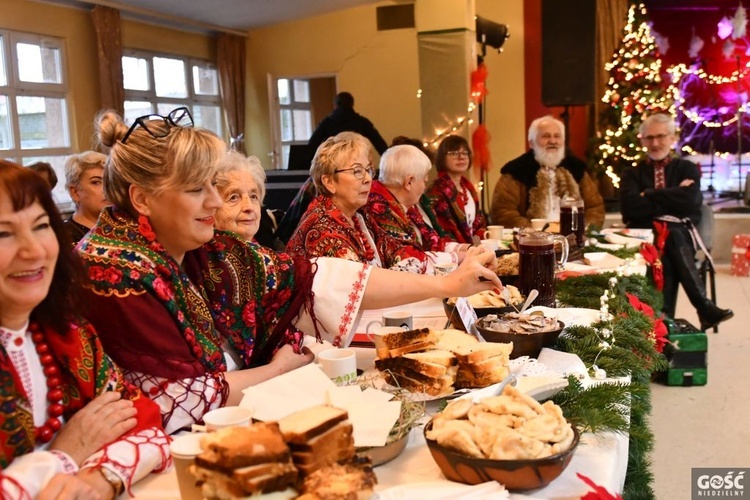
235	447
453	339
398	340
434	356
332	437
410	363
303	425
482	350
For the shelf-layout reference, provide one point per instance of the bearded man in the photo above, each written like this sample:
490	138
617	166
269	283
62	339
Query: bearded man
530	186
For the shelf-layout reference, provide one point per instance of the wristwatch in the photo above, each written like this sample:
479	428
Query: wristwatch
114	480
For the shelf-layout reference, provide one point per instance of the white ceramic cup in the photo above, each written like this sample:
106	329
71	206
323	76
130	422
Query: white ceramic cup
538	224
340	365
228	416
495	232
443	269
490	245
184	449
403	319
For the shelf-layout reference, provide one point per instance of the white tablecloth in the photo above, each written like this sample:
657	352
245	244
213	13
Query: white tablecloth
602	458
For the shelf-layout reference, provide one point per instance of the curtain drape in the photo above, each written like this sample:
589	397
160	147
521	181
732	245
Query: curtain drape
231	62
611	18
109	49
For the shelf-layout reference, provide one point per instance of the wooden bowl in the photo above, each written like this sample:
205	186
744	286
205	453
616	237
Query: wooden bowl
515	475
524	344
452	313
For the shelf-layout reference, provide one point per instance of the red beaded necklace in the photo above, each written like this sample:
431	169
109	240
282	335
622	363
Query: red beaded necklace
51	370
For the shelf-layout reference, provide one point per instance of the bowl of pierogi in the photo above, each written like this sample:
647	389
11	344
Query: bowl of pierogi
510	438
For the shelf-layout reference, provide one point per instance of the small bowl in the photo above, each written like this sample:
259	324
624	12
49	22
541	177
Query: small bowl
452	313
524	344
383	454
515	475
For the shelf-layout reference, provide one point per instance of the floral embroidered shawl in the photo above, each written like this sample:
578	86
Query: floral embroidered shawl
162	319
86	373
408	226
324	231
450	214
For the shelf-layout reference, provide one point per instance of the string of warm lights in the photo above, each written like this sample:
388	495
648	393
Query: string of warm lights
455	126
634	59
680	70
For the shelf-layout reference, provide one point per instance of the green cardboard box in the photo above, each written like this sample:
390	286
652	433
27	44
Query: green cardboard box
687	376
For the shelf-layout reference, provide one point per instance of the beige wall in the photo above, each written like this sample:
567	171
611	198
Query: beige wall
505	116
379	68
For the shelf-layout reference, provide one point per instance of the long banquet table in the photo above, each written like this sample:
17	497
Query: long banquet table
603	458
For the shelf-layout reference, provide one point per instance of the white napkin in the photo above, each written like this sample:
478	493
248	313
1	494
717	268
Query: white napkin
624	240
308	386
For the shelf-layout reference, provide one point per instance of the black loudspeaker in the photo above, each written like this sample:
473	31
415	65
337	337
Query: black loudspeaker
568	52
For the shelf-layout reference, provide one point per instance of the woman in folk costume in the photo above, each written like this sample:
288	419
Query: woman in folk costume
193	315
334	224
71	426
394	200
454	199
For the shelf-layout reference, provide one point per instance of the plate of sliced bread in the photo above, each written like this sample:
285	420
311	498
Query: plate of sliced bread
432	364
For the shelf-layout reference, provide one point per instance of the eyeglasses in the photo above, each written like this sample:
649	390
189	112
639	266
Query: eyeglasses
459	154
179	117
652	138
358	170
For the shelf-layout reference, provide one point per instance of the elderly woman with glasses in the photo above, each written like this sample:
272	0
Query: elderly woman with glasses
71	426
193	315
336	224
84	180
453	197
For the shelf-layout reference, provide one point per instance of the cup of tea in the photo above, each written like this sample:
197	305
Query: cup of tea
228	416
339	365
538	224
184	449
495	232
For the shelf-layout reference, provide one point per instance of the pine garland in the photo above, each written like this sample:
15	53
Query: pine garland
623	253
620	347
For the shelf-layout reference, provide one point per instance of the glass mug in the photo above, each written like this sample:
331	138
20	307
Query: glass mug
537	264
571	218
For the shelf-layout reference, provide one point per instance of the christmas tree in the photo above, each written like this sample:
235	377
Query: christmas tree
635	89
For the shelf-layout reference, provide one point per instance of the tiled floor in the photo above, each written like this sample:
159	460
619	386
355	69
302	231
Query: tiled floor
707	426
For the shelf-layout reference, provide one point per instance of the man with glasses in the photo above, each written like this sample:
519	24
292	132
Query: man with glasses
663	192
531	186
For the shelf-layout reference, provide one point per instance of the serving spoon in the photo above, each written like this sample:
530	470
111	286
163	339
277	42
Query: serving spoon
532	295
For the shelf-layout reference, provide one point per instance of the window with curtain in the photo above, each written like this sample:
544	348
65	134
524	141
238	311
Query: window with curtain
158	83
34	108
295	114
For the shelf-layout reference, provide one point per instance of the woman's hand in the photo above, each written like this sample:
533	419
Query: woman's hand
475	274
104	419
64	486
286	360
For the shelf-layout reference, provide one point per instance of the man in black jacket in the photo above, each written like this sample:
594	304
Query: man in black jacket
345	119
667	189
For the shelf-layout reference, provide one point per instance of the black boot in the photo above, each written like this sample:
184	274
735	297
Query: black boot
709	314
